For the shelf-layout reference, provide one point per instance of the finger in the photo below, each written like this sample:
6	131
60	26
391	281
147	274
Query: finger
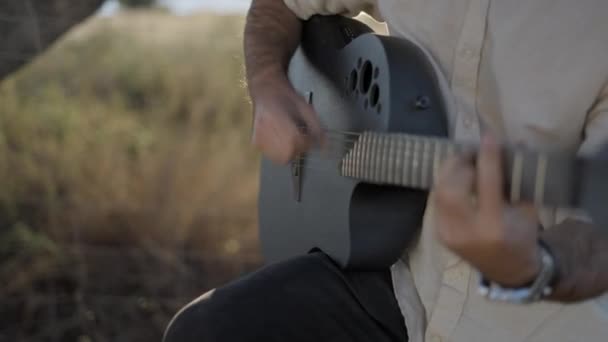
490	177
279	138
530	211
309	116
454	188
453	203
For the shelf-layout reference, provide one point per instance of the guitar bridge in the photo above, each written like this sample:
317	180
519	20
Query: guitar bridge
296	178
298	166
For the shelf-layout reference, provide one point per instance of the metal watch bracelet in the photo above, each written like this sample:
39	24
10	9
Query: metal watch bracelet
539	289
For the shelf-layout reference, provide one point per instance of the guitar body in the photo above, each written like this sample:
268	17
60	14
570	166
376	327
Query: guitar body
357	81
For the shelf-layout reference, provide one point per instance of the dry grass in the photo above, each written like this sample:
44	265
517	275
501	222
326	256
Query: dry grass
132	131
137	116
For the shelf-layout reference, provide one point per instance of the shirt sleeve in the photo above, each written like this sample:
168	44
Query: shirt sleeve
304	9
595	135
595	139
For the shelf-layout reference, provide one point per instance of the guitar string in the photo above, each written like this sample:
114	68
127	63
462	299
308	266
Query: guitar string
344	135
324	158
419	143
332	153
320	161
338	152
323	168
325	164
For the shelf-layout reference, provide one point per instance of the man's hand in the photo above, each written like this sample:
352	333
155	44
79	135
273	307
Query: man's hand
285	125
501	241
581	252
475	223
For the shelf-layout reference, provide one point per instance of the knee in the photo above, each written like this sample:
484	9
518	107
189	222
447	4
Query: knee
193	323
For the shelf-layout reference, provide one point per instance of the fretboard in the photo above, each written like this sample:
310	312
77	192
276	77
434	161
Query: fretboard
413	161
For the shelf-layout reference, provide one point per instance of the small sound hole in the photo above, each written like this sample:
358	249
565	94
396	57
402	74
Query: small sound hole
374	95
352	81
366	77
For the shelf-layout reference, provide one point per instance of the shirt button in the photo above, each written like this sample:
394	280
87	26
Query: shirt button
453	275
467	52
435	338
468	122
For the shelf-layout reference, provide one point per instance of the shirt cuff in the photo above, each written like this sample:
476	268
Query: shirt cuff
304	9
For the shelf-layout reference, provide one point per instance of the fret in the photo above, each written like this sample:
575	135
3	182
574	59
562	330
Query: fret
377	158
373	157
364	154
398	173
348	162
384	163
353	158
436	160
415	165
345	164
368	157
380	157
406	161
392	161
356	160
426	158
517	176
357	156
540	179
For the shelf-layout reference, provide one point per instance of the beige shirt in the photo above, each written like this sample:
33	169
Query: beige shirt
534	72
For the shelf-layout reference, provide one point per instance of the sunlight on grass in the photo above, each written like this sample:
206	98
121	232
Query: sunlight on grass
128	183
132	130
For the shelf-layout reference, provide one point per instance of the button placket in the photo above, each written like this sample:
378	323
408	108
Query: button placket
456	278
466	68
435	338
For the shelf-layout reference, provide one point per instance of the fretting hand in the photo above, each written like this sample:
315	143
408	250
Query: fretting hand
474	222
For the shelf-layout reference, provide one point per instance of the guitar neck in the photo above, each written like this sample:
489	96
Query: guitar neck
413	161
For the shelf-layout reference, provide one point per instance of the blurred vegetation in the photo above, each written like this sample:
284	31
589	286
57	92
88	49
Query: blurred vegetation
132	131
137	3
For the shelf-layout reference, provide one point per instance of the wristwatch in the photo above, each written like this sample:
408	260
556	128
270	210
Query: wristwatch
539	289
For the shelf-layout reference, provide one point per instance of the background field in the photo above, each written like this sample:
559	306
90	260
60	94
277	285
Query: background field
128	184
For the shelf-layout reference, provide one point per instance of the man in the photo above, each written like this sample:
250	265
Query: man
529	72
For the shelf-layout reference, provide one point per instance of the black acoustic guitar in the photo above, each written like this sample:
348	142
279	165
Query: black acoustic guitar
361	197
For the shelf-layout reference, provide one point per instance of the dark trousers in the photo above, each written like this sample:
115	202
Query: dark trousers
304	299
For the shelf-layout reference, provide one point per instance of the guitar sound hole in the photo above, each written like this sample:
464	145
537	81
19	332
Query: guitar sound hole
374	96
366	77
352	82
